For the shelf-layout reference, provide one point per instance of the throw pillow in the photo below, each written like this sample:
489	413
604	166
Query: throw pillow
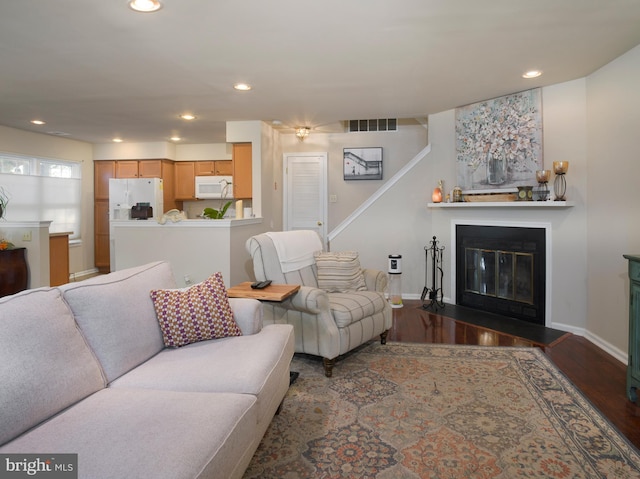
339	272
194	314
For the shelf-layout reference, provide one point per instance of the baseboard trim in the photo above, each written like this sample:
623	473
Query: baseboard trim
595	339
80	275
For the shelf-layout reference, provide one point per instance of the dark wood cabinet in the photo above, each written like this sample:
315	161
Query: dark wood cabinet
14	273
633	364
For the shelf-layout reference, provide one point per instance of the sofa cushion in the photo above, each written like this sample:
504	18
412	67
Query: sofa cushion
45	363
251	364
116	315
140	434
347	308
194	314
339	272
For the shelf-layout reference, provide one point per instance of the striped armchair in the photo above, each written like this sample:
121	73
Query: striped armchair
326	324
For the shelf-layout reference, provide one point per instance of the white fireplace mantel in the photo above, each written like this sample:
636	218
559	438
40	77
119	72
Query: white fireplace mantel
504	204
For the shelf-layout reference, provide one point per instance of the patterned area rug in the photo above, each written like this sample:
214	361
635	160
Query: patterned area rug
439	411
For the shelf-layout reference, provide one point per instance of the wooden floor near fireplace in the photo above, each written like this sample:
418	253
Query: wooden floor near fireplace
599	376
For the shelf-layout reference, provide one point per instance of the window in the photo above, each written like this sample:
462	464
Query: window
42	189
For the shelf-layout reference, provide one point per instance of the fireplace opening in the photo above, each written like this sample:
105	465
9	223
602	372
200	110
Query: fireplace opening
501	269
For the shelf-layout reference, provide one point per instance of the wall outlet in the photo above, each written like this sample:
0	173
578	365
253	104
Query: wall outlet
26	236
333	198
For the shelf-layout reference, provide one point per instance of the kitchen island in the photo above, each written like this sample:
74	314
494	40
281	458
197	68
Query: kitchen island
196	248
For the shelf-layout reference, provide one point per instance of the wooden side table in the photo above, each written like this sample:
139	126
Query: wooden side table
273	292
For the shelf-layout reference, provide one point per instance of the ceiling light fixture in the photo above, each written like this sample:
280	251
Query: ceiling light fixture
145	6
117	140
188	116
242	86
38	122
175	138
532	74
302	132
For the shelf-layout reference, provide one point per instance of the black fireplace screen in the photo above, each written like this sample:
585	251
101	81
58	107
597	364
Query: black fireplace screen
501	270
503	274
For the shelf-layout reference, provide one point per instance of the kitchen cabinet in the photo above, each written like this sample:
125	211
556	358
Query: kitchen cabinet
185	187
127	169
633	363
242	170
151	168
168	175
101	235
214	168
103	170
139	168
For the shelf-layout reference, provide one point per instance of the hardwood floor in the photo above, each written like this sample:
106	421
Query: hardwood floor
600	377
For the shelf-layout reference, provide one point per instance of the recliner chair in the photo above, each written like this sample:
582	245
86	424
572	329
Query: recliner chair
326	324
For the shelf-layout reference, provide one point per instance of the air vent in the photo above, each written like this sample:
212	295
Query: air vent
382	124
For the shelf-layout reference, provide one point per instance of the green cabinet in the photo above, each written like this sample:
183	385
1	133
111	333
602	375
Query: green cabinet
633	366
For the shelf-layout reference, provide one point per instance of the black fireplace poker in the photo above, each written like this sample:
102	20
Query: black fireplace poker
434	293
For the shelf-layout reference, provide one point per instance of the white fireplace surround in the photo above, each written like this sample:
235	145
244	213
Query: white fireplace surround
514	224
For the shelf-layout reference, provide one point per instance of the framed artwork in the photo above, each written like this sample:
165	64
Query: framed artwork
499	142
362	163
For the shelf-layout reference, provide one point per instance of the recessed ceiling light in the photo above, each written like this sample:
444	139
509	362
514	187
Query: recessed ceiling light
188	116
145	6
175	138
37	122
532	74
242	86
117	140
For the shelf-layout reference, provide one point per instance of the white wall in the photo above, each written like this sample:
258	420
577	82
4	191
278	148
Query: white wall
613	114
401	223
398	148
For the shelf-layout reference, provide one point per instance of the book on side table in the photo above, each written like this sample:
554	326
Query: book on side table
273	292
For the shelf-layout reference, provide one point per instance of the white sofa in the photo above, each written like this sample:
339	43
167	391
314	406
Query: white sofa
84	369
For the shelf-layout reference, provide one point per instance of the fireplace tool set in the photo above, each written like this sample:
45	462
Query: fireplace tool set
435	293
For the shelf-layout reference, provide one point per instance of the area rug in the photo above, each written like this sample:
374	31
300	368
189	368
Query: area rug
439	411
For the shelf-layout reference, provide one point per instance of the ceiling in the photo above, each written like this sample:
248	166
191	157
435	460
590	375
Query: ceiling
95	69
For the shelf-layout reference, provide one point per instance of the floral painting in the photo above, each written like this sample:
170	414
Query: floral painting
499	142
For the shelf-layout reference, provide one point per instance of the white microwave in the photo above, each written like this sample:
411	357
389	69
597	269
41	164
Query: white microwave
208	187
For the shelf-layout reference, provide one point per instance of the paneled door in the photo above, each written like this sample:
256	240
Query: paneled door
305	192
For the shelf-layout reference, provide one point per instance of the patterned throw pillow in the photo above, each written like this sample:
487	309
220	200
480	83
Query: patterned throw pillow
195	314
339	272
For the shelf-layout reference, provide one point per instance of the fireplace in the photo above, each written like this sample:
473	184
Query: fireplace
502	270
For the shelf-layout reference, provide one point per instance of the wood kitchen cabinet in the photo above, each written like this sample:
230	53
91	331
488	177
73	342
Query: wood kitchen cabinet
103	170
242	171
126	169
214	168
151	168
185	187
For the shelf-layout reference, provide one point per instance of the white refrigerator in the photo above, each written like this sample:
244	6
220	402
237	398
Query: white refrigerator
127	192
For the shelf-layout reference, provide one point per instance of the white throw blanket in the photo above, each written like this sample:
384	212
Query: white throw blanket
295	248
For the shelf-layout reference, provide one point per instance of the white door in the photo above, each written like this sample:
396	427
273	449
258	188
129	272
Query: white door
305	192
